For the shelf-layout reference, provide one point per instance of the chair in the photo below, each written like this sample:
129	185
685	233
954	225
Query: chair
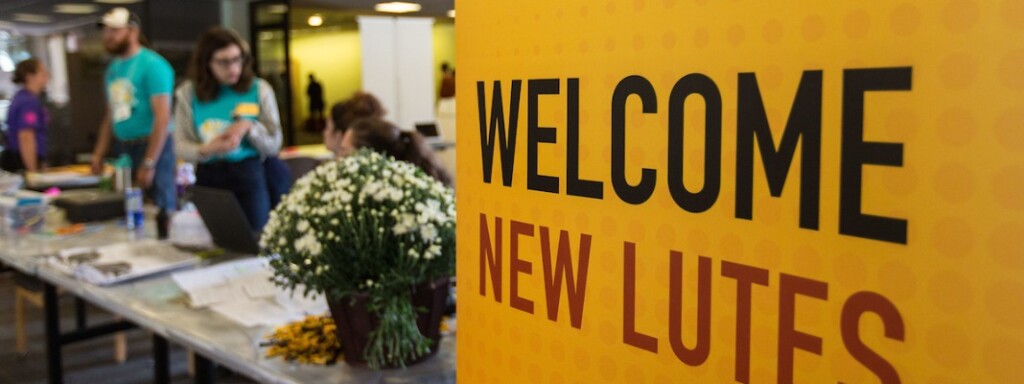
301	166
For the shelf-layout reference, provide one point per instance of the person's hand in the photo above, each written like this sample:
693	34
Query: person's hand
144	177
221	144
239	129
96	165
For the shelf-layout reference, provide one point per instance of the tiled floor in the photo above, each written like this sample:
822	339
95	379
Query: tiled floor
90	361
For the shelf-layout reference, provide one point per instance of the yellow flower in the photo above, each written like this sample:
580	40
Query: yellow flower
310	341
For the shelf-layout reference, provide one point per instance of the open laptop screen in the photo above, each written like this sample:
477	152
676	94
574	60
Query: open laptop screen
428	130
225	220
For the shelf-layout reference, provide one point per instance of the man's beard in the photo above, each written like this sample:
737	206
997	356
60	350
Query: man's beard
118	48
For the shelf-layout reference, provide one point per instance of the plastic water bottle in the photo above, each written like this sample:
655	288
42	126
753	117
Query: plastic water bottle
122	173
133	208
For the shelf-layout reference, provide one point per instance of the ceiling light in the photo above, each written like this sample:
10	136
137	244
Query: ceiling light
316	20
277	9
31	18
75	9
6	64
451	13
397	7
118	1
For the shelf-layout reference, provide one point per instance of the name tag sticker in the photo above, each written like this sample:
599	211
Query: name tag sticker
251	110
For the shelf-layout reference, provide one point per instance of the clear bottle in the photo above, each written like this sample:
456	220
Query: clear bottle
133	208
122	174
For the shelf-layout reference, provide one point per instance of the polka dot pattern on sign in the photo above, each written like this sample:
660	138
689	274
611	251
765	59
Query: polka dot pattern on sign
960	133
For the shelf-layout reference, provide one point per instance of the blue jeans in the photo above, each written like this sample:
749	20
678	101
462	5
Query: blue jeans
163	191
246	179
279	179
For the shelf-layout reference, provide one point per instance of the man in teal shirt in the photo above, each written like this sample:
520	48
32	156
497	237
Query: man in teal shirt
138	84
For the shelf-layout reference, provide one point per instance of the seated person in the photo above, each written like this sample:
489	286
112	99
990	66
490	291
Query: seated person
385	137
360	105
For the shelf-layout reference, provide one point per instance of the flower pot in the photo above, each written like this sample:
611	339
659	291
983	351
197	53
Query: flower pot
355	322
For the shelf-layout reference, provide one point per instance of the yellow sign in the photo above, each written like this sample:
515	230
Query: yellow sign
719	191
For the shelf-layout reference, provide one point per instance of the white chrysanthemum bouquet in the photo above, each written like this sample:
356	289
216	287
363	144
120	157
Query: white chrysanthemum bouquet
370	224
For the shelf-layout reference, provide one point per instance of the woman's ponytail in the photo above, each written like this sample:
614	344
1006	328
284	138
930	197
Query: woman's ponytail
408	146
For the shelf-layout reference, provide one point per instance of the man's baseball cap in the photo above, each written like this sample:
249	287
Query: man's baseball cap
119	18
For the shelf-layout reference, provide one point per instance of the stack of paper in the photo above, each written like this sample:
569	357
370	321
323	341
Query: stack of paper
242	291
120	262
61	179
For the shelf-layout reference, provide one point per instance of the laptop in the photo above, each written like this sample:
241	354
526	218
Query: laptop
225	220
429	132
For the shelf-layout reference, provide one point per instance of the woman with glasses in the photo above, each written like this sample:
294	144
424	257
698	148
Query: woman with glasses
227	121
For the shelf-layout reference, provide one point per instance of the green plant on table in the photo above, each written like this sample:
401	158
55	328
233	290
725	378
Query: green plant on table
366	223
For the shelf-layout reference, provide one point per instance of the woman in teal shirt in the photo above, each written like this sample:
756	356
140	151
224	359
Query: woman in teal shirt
227	121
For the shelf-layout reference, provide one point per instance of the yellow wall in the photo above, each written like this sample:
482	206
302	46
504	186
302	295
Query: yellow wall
334	58
444	48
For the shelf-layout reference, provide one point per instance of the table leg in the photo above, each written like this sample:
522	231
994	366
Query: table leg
206	370
54	363
161	360
80	313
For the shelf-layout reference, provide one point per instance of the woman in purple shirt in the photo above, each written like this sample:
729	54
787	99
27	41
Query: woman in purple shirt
27	119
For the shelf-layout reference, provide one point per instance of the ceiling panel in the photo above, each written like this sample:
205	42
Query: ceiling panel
17	14
433	8
10	10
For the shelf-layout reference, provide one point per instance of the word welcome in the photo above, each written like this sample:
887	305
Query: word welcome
804	124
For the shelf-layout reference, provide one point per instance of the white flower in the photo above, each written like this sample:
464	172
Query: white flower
400	229
294	268
369	283
395	194
434	249
408	219
309	243
428	232
303	226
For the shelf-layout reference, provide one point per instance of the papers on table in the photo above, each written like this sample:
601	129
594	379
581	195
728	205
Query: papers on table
219	274
204	297
252	313
225	282
61	179
120	262
242	291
